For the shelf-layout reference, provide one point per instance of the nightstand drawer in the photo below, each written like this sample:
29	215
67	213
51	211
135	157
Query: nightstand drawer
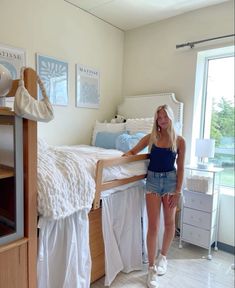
199	218
198	236
199	201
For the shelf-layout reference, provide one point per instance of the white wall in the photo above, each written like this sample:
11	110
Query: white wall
226	219
153	64
58	29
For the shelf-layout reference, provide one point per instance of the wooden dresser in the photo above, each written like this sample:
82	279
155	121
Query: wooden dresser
18	256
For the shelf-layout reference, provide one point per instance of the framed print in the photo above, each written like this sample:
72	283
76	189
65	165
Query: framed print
87	87
13	59
54	74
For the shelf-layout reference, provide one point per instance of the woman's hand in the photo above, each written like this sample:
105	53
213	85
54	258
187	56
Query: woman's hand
173	200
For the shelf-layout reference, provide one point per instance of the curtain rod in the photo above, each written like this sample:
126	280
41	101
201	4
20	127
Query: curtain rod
192	44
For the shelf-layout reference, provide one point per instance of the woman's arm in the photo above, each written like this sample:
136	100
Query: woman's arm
139	146
174	199
180	163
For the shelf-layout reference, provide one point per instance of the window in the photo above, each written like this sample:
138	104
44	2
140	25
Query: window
215	101
219	114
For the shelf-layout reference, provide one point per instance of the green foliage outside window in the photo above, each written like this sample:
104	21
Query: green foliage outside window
222	122
222	130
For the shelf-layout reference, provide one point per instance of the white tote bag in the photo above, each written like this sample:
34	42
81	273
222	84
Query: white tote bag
30	108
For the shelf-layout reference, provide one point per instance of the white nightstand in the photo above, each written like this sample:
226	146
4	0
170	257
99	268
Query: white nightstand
200	207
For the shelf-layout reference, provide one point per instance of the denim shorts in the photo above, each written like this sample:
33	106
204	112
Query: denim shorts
161	182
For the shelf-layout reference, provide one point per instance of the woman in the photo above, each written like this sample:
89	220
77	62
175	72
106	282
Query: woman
163	185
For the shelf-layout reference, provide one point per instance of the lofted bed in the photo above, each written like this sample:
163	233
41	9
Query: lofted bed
74	245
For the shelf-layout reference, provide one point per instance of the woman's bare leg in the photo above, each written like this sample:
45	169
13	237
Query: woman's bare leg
169	223
153	204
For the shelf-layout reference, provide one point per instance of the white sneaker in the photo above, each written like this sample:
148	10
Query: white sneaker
152	281
161	265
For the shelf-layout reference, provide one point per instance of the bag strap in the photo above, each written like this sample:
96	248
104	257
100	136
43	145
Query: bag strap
39	81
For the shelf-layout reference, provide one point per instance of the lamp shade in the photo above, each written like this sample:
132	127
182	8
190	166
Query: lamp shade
205	148
5	81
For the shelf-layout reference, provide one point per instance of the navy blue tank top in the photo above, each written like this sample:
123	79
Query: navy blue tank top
161	159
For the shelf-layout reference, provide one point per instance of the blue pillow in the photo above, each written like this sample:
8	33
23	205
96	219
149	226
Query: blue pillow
125	142
107	139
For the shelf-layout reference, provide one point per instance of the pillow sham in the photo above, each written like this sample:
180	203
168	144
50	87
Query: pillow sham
125	142
107	140
107	127
139	125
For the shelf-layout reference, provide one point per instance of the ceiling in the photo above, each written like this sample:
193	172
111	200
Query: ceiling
130	14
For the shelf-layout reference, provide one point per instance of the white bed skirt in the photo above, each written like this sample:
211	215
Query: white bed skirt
64	255
124	224
121	218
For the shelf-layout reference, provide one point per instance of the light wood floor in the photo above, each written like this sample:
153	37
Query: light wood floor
187	268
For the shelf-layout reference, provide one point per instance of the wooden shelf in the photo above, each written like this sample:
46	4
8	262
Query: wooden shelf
6	112
7	118
6	172
14	244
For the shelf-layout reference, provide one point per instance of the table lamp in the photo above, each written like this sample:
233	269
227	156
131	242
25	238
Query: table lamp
205	148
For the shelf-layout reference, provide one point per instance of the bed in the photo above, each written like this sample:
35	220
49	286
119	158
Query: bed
67	221
75	239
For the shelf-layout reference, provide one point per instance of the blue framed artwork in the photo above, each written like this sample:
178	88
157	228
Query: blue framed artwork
54	74
87	87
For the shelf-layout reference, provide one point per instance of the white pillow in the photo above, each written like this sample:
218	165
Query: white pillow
144	125
107	127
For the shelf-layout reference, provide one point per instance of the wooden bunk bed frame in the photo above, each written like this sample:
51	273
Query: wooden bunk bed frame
30	192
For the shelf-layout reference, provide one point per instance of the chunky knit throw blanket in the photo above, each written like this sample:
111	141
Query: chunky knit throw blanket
65	181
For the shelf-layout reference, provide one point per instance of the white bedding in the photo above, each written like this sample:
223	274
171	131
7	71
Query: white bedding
66	177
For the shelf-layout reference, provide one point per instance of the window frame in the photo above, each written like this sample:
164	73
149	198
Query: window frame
200	95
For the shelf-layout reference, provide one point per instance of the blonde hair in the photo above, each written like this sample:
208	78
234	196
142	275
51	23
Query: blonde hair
156	130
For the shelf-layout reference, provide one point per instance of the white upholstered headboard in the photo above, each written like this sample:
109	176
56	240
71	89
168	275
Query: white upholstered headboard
144	106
